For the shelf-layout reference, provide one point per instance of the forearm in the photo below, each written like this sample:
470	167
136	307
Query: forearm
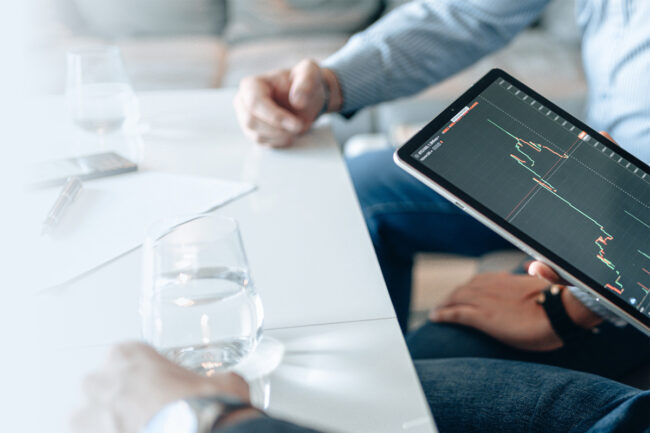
422	43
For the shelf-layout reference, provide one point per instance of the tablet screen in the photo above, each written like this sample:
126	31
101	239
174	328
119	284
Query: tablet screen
554	182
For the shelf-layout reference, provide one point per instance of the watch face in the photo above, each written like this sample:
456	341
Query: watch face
176	417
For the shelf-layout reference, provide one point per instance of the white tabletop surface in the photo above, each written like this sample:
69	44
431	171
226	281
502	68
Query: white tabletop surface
346	368
349	377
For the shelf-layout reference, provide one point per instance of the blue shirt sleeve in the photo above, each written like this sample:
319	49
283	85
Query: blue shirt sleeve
422	43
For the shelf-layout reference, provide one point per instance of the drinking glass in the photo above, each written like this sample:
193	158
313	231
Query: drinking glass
198	303
100	96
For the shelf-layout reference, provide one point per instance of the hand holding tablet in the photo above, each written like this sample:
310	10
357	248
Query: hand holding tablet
548	183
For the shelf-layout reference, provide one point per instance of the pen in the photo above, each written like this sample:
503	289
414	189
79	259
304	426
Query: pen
66	197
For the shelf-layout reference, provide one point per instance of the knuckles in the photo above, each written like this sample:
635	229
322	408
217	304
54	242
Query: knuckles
128	351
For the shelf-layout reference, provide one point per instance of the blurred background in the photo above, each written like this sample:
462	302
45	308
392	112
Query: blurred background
203	44
190	44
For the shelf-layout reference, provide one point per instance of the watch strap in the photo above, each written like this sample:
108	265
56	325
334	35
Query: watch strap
211	410
327	96
551	300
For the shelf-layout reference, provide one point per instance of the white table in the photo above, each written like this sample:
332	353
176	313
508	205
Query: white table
346	367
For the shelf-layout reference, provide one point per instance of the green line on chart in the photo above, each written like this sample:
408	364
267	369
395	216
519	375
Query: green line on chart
636	219
644	254
516	138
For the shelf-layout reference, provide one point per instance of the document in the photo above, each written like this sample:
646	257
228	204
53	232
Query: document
109	218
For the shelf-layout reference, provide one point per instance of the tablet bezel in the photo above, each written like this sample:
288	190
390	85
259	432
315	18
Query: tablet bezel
570	273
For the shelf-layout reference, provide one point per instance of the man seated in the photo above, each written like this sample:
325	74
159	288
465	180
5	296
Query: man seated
418	45
422	43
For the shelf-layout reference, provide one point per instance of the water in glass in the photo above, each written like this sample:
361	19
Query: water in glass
200	309
100	96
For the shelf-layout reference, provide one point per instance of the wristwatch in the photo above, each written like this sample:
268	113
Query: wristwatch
551	300
194	414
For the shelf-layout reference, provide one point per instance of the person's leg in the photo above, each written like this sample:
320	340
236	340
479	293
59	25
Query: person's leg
611	352
405	217
486	395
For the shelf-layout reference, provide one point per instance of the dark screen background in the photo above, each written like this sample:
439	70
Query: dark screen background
552	181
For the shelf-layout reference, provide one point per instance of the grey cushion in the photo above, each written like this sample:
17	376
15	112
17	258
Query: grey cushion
250	19
116	19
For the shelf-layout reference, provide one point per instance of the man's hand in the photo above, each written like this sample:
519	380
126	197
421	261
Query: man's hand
274	109
581	315
501	305
136	382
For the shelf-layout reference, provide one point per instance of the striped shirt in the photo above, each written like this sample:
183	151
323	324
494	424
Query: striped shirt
424	42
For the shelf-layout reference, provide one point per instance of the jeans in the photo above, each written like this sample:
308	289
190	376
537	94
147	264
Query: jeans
487	395
611	353
405	217
469	395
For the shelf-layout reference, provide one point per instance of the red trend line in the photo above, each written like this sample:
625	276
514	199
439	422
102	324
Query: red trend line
614	289
531	145
601	241
545	174
601	253
544	184
518	159
646	271
647	290
565	156
451	125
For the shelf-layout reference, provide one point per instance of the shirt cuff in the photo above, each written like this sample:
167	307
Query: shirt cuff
596	307
359	73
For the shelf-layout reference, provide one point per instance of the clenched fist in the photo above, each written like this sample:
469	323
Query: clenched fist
275	108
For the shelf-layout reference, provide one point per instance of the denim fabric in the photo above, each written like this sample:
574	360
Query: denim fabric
612	352
405	217
469	395
486	395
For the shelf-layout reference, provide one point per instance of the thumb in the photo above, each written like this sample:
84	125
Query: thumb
306	81
609	137
541	270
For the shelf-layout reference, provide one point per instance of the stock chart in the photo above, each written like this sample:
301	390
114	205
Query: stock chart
553	181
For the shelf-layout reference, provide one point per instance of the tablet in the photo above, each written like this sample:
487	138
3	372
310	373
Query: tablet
546	182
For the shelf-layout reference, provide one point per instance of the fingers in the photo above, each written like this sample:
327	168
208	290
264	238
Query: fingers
98	388
541	270
263	133
256	97
234	384
467	315
92	419
273	109
480	289
465	295
255	106
306	82
609	137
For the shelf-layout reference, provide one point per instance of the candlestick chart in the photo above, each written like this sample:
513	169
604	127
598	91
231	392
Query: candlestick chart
556	183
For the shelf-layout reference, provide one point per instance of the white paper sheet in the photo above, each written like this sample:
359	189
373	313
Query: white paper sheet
110	217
